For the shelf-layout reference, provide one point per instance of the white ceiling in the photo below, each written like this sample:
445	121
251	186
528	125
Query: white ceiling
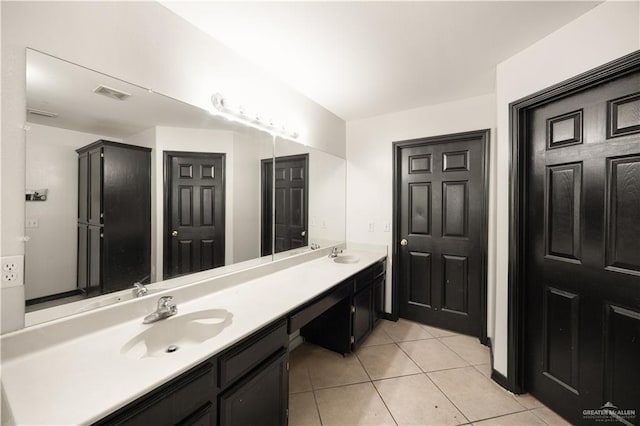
66	89
360	59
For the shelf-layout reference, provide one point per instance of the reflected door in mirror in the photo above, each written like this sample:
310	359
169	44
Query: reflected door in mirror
291	202
195	204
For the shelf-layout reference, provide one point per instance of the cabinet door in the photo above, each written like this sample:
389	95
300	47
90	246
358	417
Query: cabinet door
94	258
260	399
362	315
83	260
83	187
378	299
95	187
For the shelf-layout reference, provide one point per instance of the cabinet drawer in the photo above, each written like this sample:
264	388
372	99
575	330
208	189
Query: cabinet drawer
247	355
316	308
172	403
379	269
363	279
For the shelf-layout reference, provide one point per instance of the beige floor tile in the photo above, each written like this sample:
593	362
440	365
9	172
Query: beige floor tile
438	332
549	417
385	361
299	380
415	400
524	418
528	401
377	337
303	410
469	348
431	355
485	369
404	330
475	395
327	369
352	405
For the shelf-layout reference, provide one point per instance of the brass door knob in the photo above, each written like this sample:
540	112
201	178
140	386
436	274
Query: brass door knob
404	242
303	233
174	233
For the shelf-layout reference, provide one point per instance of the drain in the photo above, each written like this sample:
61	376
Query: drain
172	349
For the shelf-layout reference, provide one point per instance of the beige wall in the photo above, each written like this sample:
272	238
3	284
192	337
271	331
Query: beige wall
369	165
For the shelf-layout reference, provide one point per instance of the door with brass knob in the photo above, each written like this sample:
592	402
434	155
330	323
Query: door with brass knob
439	207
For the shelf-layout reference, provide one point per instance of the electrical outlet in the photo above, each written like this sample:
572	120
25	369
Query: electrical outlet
387	227
32	222
372	226
13	270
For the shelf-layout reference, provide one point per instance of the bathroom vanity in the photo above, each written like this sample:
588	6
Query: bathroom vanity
231	361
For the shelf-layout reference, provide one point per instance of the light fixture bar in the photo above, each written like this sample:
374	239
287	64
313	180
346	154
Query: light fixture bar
255	121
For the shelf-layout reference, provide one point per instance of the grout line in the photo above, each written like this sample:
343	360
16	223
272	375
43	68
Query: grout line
448	399
506	414
437	387
315	399
376	389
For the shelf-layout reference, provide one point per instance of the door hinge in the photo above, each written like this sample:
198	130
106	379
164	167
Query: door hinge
287	412
101	215
101	235
287	365
353	309
353	340
102	155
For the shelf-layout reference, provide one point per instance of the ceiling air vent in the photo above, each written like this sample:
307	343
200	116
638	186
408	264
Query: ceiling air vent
112	93
42	113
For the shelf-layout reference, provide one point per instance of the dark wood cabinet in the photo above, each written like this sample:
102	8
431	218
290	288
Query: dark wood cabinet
247	384
114	216
342	318
362	315
261	398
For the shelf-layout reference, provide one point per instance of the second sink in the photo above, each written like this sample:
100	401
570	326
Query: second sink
346	259
174	334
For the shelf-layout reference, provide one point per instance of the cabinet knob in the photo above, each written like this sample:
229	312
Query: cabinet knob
174	233
404	242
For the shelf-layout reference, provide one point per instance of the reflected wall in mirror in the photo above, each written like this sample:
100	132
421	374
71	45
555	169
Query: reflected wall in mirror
139	187
310	197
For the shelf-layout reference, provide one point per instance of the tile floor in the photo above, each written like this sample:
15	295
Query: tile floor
405	374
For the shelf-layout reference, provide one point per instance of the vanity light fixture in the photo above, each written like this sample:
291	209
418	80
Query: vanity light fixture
240	115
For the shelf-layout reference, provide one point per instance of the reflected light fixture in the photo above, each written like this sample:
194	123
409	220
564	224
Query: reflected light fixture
240	115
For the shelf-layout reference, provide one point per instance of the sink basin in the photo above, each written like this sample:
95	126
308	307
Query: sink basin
346	259
177	333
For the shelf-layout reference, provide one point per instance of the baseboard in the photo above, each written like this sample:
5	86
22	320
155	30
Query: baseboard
51	297
500	379
389	317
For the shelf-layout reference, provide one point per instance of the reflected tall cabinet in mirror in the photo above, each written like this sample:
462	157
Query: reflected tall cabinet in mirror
114	216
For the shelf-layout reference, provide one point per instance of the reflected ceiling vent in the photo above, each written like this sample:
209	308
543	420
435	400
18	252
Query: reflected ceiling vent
112	93
41	113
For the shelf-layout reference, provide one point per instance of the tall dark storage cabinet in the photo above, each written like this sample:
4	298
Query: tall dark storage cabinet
114	216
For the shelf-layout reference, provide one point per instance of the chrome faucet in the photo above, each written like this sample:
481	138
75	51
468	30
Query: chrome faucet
166	308
139	289
335	252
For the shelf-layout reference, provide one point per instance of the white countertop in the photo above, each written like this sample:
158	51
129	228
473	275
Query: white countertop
84	378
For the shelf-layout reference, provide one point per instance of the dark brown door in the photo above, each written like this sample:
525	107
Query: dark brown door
291	201
195	198
583	245
442	234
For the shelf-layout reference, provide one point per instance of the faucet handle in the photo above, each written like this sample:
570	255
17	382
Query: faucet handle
165	302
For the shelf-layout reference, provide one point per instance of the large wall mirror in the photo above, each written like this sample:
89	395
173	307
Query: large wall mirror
126	186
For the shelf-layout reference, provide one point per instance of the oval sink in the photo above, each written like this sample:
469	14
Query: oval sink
177	333
347	259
